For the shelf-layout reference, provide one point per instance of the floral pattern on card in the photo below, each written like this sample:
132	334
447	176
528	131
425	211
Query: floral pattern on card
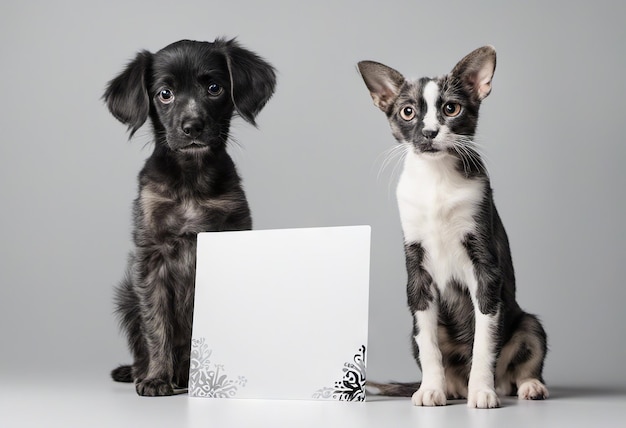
208	379
352	386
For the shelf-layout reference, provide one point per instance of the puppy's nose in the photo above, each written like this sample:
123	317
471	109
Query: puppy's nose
430	133
192	127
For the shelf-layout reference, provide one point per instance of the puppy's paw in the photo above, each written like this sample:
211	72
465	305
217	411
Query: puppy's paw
483	398
532	389
429	397
154	388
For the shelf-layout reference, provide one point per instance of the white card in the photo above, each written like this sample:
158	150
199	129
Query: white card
281	314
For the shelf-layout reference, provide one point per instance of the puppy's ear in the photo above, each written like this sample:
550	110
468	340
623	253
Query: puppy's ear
383	82
127	94
252	80
476	71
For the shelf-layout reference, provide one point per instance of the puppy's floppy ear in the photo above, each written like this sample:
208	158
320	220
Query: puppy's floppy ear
476	71
127	95
383	82
252	79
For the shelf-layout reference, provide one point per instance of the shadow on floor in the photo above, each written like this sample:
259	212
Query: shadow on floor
557	392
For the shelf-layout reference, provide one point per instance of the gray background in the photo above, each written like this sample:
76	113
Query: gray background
552	130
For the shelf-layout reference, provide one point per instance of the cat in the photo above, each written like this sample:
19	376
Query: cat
471	338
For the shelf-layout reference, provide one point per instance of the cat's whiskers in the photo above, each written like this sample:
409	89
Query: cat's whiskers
392	156
470	152
397	168
395	155
465	165
473	156
478	148
464	154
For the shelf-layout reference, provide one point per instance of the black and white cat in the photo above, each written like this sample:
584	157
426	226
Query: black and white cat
471	337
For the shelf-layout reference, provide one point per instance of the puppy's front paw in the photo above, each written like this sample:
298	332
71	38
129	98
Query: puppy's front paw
429	397
483	398
532	389
154	388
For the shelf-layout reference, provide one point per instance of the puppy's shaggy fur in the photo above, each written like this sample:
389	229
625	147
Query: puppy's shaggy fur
190	90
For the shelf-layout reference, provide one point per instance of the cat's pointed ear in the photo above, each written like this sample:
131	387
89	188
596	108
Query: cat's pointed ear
476	71
383	82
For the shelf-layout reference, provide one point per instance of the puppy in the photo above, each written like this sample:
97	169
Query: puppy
190	90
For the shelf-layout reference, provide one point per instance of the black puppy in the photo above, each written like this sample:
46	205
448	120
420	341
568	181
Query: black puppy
190	90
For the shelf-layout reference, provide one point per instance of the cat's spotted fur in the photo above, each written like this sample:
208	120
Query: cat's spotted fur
471	338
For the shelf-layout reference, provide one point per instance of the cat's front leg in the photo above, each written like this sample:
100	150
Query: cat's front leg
424	307
484	281
484	288
432	391
481	390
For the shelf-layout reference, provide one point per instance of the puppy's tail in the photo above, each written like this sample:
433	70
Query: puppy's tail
123	374
392	389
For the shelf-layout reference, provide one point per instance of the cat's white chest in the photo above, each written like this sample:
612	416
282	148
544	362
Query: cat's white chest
438	208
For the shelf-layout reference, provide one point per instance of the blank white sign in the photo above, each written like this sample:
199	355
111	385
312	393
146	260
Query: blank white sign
281	314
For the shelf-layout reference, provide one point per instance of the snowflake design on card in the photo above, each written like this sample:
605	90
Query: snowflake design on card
208	379
352	386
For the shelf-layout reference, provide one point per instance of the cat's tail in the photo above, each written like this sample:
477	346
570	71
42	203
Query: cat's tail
123	374
392	389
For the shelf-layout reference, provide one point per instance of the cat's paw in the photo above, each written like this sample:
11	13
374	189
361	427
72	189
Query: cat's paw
483	398
429	397
154	388
532	389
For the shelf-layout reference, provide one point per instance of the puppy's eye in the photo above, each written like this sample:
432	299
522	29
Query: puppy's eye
215	89
166	96
407	113
451	109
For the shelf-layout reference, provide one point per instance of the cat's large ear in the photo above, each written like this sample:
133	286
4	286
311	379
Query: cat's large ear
476	71
383	82
252	79
127	95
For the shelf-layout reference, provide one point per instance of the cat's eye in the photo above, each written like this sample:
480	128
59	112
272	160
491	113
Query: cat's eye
215	89
407	113
451	109
166	96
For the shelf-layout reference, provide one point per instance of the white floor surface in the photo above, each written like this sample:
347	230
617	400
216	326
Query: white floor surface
86	401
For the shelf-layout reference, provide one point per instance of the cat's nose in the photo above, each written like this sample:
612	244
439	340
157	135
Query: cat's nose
430	133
